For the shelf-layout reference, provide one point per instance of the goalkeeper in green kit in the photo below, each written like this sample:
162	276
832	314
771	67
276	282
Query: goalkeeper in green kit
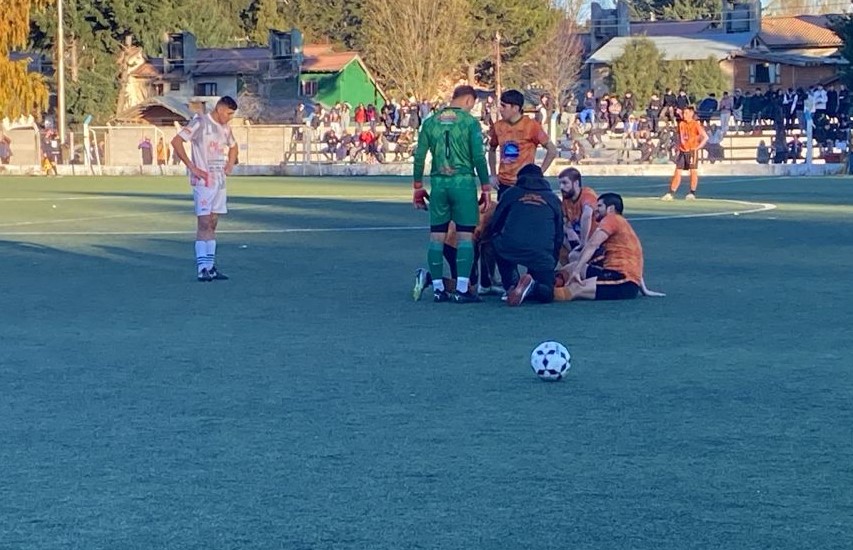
455	140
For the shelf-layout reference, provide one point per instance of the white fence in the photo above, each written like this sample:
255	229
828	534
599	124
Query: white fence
120	145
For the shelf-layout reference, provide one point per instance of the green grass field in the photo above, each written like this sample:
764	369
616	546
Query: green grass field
309	403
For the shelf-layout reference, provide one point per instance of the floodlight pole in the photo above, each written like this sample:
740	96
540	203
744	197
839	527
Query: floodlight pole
60	74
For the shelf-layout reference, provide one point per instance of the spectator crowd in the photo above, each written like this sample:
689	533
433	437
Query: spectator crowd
649	129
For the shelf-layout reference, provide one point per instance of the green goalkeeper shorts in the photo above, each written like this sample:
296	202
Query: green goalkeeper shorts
453	198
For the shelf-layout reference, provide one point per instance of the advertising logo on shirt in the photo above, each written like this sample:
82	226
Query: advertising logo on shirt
447	117
510	151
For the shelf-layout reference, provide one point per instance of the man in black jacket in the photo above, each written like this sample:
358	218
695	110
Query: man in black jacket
668	113
527	229
653	111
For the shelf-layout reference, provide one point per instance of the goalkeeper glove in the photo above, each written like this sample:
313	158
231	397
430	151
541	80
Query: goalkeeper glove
419	196
485	197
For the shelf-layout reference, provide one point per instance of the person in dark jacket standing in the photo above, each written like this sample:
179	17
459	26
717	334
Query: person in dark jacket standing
653	111
527	229
669	101
628	106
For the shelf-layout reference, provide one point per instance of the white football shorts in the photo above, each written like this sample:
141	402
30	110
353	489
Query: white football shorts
209	198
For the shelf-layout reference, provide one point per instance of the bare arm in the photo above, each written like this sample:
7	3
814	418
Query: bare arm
232	159
550	155
586	224
569	235
178	147
493	165
589	249
704	135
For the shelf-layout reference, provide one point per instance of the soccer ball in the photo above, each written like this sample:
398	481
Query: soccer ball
550	361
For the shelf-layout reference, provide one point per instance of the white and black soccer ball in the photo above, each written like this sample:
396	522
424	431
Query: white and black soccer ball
550	361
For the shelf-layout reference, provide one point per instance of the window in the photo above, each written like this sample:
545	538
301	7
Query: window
765	73
762	74
158	89
205	88
309	88
281	45
175	86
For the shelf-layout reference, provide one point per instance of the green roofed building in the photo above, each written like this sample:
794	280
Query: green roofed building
267	81
330	77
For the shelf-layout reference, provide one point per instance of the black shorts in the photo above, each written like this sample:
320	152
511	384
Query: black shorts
687	160
503	189
612	285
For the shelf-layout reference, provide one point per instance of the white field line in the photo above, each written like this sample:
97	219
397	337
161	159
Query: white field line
187	211
402	195
758	207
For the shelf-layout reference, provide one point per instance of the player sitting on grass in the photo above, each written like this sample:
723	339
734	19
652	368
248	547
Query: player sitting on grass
579	204
454	139
617	271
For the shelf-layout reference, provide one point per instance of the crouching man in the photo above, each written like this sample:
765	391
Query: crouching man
527	230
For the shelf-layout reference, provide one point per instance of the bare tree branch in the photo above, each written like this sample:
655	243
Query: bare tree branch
417	45
555	65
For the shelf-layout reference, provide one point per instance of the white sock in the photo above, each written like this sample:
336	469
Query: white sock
211	254
462	284
438	285
200	255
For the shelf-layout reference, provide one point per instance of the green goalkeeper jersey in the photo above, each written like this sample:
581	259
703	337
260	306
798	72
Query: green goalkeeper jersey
455	140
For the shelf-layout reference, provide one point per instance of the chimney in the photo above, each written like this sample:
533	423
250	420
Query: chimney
623	18
179	52
742	16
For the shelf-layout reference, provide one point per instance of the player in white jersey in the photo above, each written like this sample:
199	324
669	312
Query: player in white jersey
214	153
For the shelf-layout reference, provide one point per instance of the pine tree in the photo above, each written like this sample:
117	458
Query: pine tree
672	75
523	25
704	77
843	27
688	10
637	69
263	15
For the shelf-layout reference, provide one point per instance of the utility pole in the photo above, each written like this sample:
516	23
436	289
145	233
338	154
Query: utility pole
60	74
498	65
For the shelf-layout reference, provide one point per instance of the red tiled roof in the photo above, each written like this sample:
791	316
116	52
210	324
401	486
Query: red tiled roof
323	60
800	30
314	50
146	70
